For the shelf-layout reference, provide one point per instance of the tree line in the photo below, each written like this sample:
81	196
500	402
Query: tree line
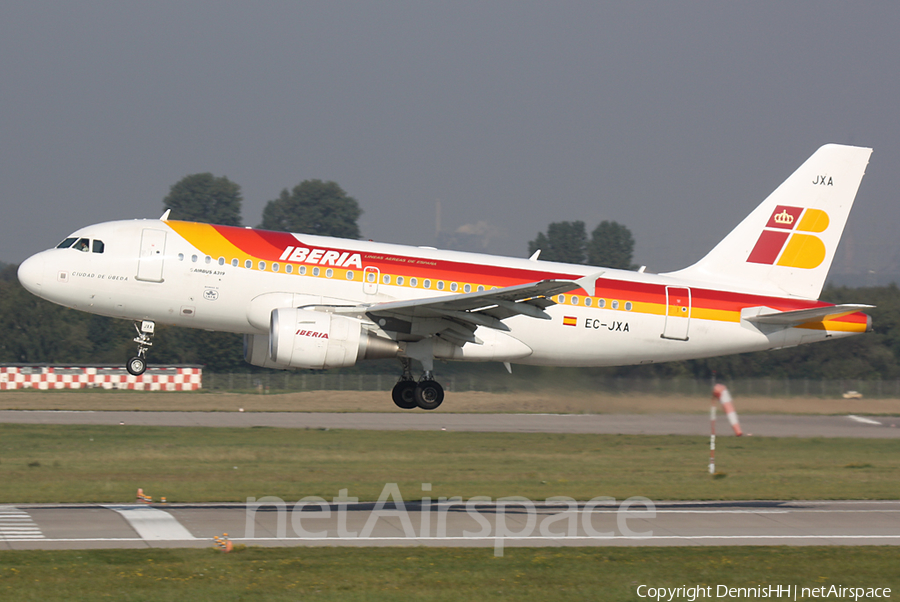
35	331
310	207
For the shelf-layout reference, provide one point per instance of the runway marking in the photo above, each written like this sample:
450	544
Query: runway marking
568	538
153	524
790	511
17	524
863	420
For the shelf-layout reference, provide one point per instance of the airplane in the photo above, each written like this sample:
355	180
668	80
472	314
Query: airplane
313	302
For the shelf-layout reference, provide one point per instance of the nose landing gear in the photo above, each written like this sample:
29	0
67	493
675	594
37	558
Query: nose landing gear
137	365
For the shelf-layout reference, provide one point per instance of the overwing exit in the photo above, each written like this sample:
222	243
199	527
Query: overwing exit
305	301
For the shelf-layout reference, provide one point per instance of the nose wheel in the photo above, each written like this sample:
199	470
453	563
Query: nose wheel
138	364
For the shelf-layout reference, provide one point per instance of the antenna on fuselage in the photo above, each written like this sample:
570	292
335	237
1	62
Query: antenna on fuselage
165	216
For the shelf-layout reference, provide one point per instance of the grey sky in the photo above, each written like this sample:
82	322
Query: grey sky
675	119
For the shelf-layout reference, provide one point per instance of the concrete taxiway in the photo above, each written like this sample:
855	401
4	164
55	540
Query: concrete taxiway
604	523
766	425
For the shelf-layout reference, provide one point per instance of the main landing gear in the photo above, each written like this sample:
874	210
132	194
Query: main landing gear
138	364
408	394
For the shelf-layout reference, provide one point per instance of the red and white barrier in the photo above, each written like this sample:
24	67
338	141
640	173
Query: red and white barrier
156	378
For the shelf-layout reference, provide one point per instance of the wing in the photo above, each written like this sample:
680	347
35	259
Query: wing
456	317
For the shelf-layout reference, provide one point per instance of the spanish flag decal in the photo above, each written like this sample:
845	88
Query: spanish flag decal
570	321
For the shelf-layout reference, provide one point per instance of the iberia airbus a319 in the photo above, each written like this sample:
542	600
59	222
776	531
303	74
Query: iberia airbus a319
305	301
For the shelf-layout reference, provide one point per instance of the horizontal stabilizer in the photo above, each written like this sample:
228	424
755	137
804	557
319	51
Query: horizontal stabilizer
804	316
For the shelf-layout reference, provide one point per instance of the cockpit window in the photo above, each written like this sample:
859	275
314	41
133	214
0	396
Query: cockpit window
83	244
98	246
66	243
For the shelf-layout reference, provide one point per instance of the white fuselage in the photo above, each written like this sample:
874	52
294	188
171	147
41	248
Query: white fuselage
201	276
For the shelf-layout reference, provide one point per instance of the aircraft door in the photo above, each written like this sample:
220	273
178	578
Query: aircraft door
370	280
150	263
678	313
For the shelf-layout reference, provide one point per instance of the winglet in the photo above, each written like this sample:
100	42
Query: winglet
589	283
165	216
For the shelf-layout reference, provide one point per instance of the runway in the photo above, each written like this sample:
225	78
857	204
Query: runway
794	523
765	425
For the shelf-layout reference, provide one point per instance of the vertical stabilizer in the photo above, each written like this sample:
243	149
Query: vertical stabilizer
787	244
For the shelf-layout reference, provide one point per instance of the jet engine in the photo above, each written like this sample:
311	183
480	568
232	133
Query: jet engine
300	338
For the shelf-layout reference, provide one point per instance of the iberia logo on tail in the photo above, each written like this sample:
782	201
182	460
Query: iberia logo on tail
784	242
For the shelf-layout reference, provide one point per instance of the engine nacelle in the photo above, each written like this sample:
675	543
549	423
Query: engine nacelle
299	338
256	352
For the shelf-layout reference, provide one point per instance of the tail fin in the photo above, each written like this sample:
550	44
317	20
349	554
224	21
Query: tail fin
787	244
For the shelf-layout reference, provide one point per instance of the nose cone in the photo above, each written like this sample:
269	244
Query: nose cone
31	273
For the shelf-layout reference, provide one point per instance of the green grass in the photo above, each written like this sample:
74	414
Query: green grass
52	463
430	574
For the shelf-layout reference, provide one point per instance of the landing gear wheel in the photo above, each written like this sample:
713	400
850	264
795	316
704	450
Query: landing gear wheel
404	394
429	394
136	366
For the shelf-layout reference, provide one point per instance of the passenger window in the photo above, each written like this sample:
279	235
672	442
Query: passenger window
66	243
208	259
221	261
234	262
288	268
248	263
181	257
83	245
